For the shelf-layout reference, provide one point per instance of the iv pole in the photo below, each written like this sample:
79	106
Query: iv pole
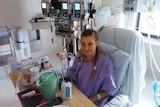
91	12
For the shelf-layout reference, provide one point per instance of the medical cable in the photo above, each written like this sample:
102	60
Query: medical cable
151	23
155	87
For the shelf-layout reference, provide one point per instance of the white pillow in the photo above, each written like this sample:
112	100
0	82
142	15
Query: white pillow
101	10
120	60
116	19
102	13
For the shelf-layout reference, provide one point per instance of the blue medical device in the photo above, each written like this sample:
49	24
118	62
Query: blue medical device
156	91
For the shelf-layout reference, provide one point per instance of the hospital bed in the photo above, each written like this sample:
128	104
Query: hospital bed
126	49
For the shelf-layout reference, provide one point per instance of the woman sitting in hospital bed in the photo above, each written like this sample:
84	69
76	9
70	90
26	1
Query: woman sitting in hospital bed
91	70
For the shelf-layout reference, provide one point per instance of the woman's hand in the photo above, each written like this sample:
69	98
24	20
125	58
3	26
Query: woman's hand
102	94
94	99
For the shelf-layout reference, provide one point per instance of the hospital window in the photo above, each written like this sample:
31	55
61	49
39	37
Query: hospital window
148	23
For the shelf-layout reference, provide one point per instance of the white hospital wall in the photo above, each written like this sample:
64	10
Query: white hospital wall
155	47
19	13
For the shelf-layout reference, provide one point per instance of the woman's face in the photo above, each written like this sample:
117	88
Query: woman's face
88	45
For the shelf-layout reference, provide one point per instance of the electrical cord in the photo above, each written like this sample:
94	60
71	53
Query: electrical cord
156	83
151	23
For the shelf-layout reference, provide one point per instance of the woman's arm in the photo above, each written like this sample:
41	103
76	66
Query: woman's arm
99	96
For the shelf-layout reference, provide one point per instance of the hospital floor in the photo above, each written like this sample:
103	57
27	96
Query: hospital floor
8	96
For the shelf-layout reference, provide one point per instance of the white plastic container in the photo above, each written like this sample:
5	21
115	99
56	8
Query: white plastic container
35	72
66	89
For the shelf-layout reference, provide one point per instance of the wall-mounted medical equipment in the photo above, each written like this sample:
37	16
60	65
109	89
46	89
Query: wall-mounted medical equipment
142	5
129	5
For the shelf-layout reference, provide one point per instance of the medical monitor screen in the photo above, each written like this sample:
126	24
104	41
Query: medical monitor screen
77	6
64	5
44	5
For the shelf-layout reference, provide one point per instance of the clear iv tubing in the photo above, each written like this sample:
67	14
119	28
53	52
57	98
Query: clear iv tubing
151	57
152	25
